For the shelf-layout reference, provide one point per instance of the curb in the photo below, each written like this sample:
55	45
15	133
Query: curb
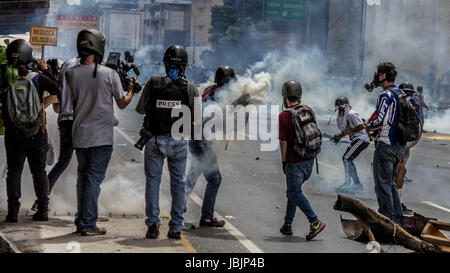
6	246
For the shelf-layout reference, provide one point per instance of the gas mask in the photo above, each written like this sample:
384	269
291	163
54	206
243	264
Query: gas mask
341	109
374	84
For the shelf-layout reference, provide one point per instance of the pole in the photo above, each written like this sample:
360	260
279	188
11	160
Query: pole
363	37
42	52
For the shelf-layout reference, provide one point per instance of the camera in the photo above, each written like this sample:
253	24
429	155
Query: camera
113	61
145	136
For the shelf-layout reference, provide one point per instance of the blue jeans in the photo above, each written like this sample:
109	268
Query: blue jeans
296	175
386	160
92	165
203	159
156	150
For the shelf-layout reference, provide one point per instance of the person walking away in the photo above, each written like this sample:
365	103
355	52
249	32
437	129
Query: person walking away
203	158
92	88
349	122
300	141
160	96
25	130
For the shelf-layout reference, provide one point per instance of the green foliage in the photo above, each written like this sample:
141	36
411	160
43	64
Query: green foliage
9	74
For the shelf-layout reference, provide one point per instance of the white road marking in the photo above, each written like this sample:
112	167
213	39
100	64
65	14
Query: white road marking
436	206
329	166
228	226
231	229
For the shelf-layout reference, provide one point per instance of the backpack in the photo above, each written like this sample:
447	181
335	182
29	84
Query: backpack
408	127
308	137
24	107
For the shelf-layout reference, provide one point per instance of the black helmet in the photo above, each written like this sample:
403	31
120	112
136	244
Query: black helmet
224	74
91	41
341	101
292	89
406	87
176	54
19	50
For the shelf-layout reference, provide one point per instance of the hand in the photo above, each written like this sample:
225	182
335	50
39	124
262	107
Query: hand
284	167
131	84
336	138
42	64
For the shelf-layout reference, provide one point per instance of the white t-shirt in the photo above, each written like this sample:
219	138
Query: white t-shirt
351	120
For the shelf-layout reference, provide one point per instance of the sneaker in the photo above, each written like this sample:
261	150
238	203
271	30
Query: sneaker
344	187
152	232
357	187
406	211
174	235
286	229
315	229
93	231
214	222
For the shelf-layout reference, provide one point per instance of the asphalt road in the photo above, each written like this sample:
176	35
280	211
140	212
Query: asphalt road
252	196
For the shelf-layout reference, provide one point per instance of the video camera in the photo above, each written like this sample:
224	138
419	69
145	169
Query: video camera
123	68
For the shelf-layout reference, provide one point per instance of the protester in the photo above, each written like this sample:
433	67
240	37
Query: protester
350	123
160	96
389	149
297	159
92	88
422	104
203	158
25	134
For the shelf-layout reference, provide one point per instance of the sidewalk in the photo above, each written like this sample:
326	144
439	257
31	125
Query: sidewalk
124	235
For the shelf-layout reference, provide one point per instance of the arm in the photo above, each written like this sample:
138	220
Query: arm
283	149
382	107
49	100
125	100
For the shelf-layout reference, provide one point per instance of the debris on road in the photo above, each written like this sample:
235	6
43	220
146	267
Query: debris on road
378	226
432	234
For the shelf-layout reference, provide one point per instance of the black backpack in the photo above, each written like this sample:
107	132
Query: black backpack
408	127
308	137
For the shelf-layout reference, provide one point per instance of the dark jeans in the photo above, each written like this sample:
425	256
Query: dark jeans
65	152
296	175
34	149
92	165
386	160
203	159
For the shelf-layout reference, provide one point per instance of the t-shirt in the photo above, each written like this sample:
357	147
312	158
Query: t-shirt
351	120
66	112
286	132
93	108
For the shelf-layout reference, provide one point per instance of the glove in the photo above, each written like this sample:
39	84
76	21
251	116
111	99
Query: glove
284	167
336	138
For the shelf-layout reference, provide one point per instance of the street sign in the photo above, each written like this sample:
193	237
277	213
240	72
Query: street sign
46	36
285	9
77	21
